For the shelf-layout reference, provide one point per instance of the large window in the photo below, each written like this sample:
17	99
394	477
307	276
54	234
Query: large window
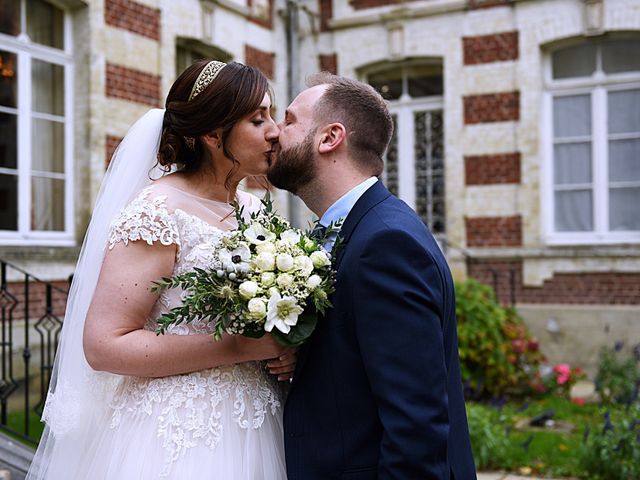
35	124
414	163
592	175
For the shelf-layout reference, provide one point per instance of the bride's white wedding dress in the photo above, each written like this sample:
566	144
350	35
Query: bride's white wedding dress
223	423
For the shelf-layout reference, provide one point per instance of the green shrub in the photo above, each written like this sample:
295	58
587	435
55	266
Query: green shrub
488	436
498	355
612	450
618	377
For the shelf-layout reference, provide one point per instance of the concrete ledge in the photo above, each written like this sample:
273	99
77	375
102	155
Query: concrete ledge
15	457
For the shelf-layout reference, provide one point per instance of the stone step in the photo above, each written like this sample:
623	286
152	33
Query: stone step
15	458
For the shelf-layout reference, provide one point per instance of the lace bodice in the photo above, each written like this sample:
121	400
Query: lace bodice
189	409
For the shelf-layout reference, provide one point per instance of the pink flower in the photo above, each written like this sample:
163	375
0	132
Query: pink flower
578	401
563	373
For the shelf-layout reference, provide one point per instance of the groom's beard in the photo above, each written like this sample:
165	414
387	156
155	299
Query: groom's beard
294	167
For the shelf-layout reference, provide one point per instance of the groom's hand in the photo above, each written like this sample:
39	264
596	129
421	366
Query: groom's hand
284	365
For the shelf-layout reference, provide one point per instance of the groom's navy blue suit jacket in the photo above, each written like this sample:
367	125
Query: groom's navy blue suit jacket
377	391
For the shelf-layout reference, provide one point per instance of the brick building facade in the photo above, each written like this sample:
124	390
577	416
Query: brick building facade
517	136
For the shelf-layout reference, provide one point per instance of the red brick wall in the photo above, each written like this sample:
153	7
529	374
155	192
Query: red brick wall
360	4
592	288
133	16
38	300
492	169
260	59
326	13
492	107
133	85
476	4
497	47
494	231
111	144
328	62
263	22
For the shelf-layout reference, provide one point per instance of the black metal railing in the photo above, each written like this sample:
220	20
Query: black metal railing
31	313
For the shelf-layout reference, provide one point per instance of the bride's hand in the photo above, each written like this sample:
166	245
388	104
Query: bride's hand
264	348
284	365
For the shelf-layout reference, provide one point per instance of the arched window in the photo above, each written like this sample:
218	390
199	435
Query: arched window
36	159
414	164
592	169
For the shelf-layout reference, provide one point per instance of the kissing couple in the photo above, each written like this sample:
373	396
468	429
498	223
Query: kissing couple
375	393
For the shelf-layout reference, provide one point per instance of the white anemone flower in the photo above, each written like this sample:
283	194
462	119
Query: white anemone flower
282	313
257	234
236	259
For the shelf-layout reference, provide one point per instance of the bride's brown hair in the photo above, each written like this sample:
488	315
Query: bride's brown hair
236	91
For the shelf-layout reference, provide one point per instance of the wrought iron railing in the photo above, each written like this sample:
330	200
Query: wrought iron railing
31	313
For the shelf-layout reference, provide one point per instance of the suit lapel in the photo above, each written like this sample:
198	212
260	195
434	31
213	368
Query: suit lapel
370	198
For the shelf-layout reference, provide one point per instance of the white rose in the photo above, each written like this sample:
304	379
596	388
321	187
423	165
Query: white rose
248	289
313	281
257	308
274	291
290	236
284	262
266	247
320	259
304	264
308	243
284	280
267	279
265	261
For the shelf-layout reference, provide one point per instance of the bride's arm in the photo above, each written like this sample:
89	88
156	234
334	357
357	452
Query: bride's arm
114	339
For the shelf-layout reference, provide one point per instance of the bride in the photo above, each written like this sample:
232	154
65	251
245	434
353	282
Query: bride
125	403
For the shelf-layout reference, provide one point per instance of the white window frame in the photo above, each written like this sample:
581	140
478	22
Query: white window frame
597	86
404	109
26	51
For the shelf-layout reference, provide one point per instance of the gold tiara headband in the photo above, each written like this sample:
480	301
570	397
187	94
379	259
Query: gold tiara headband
206	76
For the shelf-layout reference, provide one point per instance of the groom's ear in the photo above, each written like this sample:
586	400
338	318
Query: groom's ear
331	137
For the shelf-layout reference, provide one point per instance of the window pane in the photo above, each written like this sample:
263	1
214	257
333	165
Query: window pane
48	87
624	213
8	79
47	152
8	202
624	160
47	208
578	61
45	24
621	56
8	140
391	160
572	163
388	83
429	171
10	17
425	86
574	211
572	116
624	111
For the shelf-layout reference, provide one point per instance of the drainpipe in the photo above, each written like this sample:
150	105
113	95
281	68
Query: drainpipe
293	84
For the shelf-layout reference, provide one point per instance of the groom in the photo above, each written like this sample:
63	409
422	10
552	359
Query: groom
377	391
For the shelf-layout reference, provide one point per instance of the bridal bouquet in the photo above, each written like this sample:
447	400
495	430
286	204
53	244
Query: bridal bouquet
266	276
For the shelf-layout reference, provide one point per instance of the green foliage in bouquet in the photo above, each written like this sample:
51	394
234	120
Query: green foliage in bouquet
498	355
266	276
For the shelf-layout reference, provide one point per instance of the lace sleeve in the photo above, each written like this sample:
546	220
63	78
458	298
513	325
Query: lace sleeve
145	218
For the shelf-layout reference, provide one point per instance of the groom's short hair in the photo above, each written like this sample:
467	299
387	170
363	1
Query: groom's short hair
362	111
